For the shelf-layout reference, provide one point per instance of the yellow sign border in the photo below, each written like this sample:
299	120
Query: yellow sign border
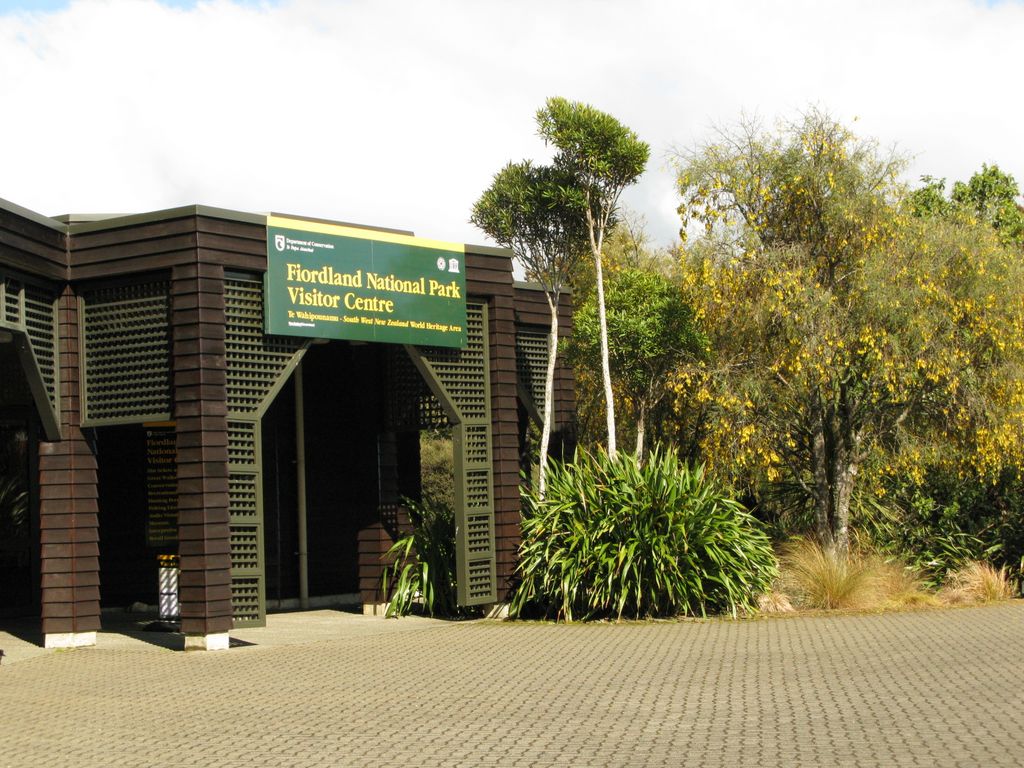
363	234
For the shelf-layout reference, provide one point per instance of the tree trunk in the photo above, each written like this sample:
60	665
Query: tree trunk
641	429
845	473
549	396
606	373
835	470
820	464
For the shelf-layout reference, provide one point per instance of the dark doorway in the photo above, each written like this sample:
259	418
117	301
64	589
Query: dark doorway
343	397
128	552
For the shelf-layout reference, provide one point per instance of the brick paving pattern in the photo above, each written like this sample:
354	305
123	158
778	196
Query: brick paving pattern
931	688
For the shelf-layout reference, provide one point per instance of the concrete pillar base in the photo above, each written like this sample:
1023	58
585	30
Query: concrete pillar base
216	641
374	609
69	639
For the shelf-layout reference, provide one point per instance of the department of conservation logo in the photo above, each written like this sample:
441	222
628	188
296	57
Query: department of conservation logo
279	242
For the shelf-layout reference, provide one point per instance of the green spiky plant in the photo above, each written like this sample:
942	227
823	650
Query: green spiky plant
13	507
616	538
421	568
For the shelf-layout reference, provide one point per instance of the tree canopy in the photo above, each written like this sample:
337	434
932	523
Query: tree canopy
532	210
990	196
529	209
651	332
846	334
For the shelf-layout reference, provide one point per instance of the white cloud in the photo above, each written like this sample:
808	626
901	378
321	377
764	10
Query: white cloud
397	114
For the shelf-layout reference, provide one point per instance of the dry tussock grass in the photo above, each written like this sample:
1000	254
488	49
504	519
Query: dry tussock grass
977	582
774	602
902	587
816	577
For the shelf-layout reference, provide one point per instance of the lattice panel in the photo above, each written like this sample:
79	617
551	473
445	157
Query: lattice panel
532	363
243	496
10	301
480	581
245	522
242	443
464	372
41	327
477	442
411	405
478	488
463	376
245	548
32	310
256	365
478	534
127	354
255	361
247	600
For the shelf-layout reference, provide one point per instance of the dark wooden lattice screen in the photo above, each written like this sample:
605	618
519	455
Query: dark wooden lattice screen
531	368
126	350
257	367
32	310
460	380
411	406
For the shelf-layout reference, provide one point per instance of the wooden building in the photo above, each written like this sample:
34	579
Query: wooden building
145	411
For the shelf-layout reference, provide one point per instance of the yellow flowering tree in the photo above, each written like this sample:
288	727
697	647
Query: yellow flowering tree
846	333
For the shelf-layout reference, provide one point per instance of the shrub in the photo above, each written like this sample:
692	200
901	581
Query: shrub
422	567
978	582
437	467
616	538
945	521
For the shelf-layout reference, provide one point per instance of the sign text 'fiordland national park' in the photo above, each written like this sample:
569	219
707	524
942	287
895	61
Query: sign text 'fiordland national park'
330	281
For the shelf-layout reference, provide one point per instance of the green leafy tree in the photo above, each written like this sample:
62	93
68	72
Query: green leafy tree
651	331
847	336
529	209
930	198
990	196
603	157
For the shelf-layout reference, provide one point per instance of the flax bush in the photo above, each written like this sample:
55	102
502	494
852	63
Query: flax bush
614	538
422	568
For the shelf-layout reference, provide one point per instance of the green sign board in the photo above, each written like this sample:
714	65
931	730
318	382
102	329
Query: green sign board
333	282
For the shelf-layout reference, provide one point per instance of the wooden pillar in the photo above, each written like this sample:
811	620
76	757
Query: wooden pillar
505	440
200	413
68	507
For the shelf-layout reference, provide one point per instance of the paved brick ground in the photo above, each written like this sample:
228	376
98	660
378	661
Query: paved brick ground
938	688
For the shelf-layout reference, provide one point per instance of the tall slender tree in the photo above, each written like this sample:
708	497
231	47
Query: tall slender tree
602	157
530	209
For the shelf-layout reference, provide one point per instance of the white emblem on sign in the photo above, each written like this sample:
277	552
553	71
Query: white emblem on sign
453	266
440	263
279	242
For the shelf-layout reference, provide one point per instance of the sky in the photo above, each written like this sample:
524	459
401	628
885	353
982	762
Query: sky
397	114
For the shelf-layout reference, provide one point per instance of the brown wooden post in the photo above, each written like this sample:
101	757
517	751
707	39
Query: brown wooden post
200	412
505	431
489	274
68	507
